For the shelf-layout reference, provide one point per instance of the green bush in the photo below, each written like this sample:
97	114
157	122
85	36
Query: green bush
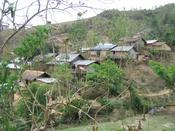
137	102
78	31
109	107
165	72
70	114
34	43
24	106
107	76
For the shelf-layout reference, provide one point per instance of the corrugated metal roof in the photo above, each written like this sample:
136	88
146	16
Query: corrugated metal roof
103	47
47	80
84	62
151	41
13	66
122	48
66	58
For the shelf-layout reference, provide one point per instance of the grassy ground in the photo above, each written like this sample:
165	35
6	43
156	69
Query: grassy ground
152	123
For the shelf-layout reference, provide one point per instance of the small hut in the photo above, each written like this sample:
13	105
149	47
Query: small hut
123	52
134	41
33	75
83	66
66	58
101	51
157	46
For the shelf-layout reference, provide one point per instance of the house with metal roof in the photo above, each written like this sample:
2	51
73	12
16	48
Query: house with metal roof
135	41
151	42
156	45
83	65
101	51
66	58
103	47
123	52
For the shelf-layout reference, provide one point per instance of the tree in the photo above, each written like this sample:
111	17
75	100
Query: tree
108	76
77	33
38	7
63	74
8	87
123	26
34	43
92	38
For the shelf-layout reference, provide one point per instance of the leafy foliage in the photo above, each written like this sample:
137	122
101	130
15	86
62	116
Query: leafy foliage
78	31
70	113
163	23
7	88
111	25
34	94
106	102
122	26
92	38
138	104
108	76
63	74
33	43
165	72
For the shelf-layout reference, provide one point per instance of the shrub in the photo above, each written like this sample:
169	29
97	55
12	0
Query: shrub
33	43
109	107
70	114
78	31
24	105
165	72
107	76
137	102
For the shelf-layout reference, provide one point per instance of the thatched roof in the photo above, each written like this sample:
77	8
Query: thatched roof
33	74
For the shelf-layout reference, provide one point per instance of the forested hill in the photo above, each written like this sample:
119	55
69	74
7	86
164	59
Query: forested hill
111	25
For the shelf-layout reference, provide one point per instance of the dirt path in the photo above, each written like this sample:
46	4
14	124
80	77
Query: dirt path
165	92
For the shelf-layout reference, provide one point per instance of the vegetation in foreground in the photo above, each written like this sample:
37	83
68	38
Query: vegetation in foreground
99	93
153	123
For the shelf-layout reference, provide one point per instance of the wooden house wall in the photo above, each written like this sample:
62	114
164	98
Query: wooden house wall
124	55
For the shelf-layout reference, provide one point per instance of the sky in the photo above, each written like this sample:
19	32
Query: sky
71	14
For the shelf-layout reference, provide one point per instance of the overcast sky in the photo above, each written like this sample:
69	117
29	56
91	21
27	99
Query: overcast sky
58	17
120	5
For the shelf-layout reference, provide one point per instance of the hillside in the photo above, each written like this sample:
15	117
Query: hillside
49	86
110	26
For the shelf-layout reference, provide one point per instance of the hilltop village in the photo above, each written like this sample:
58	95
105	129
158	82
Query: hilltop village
117	68
129	49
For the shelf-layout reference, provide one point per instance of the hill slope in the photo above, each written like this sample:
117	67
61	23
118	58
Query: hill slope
110	26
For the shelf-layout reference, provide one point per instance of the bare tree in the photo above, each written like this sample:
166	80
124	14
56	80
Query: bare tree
33	9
